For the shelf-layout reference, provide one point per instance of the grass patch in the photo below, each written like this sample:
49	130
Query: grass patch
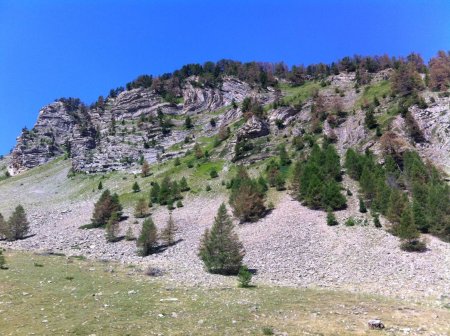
80	298
379	90
294	95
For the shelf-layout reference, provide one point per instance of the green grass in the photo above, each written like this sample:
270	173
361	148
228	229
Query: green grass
70	296
298	94
380	89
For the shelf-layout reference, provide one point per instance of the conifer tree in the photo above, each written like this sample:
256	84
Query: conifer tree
145	169
141	209
100	185
177	162
168	234
18	226
165	191
220	248
129	235
105	207
408	233
246	197
183	185
175	191
2	260
136	187
147	239
112	228
3	227
198	151
284	156
154	193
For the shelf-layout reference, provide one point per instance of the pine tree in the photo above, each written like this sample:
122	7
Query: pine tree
141	209
220	248
331	218
284	156
136	187
165	191
112	228
105	207
18	226
175	191
408	233
246	198
2	260
397	204
183	185
129	234
3	227
177	162
168	234
147	239
100	185
154	193
145	169
198	151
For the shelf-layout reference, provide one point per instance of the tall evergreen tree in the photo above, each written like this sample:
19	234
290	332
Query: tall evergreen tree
220	248
112	228
141	208
3	227
145	169
246	198
184	185
2	260
105	207
18	225
168	234
148	237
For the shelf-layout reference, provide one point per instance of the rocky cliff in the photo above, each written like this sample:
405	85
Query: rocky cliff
140	124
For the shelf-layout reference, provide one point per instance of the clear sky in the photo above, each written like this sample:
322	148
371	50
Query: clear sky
83	48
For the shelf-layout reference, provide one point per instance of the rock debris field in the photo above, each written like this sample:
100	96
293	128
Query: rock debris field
292	246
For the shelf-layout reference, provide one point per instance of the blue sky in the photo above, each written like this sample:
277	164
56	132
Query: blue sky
50	49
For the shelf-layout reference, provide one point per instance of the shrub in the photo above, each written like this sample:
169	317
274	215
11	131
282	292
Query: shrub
213	173
413	246
100	185
220	248
17	226
244	277
208	187
141	209
331	218
188	123
3	227
376	220
147	239
136	187
350	222
362	206
168	234
177	162
179	204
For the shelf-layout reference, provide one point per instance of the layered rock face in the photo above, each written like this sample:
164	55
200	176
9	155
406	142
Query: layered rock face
140	124
46	140
123	130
